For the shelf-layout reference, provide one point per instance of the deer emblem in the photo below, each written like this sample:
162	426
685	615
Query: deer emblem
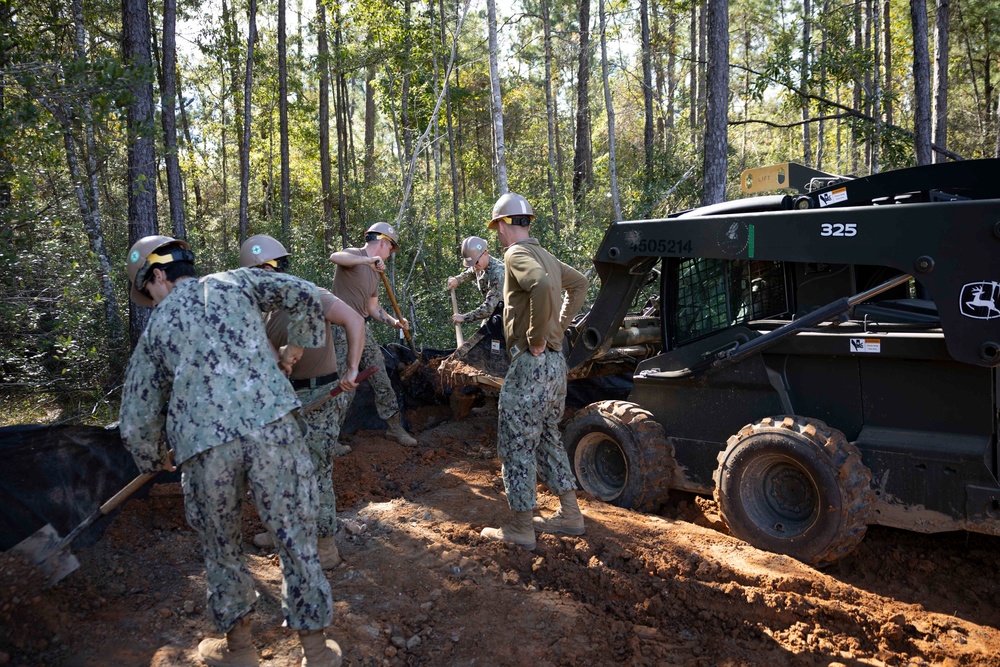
972	306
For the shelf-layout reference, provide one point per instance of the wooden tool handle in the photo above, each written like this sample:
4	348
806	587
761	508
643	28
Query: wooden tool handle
117	499
395	307
459	339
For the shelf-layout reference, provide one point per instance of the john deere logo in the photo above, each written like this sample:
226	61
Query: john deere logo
134	257
979	300
255	250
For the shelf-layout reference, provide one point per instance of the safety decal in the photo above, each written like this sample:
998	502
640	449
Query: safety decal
979	300
869	345
256	250
832	197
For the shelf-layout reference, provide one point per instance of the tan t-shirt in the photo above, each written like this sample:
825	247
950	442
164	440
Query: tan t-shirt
315	361
355	285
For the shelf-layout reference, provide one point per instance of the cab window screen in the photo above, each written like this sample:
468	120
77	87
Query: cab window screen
710	295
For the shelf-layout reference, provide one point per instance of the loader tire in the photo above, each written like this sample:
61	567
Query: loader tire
620	455
795	486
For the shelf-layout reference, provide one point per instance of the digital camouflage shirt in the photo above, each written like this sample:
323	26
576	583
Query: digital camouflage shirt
491	286
204	356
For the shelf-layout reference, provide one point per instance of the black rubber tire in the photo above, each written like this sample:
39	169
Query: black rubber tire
620	455
795	486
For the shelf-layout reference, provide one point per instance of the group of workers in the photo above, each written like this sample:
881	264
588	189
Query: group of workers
235	371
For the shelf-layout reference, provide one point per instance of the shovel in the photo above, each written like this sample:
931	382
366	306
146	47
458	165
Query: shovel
458	327
399	314
46	550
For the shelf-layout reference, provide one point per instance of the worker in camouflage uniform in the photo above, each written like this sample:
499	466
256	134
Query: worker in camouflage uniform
488	273
203	376
533	396
313	377
356	282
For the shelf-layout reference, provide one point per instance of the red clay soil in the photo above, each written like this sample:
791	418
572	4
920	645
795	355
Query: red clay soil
420	587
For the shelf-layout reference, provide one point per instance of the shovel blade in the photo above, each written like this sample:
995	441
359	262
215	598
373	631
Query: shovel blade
45	549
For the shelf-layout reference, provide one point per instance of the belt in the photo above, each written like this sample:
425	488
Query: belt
312	383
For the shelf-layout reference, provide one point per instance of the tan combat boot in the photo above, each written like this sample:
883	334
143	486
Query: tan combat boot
318	651
567	519
236	650
329	556
398	433
520	531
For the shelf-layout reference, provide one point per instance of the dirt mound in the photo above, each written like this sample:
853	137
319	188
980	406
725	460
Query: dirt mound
419	586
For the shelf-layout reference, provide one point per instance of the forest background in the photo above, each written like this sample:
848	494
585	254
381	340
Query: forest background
311	119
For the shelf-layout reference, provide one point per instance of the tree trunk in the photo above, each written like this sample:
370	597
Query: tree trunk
324	124
717	102
693	84
876	78
921	83
610	110
498	139
857	90
887	46
369	173
404	113
245	139
286	185
941	53
550	115
647	87
340	111
455	211
583	158
198	204
168	117
141	185
804	81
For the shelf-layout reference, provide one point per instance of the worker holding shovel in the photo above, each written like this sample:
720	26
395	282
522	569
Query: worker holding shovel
312	378
356	282
203	373
488	273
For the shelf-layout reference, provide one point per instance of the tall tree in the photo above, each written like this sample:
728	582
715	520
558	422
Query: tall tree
647	87
804	80
455	210
610	111
168	118
550	116
369	167
500	163
583	158
921	83
286	185
941	54
245	139
326	179
717	102
140	121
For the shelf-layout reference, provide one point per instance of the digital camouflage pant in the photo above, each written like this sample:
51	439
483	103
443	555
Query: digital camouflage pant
321	439
274	464
385	398
528	443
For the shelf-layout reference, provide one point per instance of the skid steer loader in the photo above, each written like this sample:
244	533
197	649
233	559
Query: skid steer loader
825	360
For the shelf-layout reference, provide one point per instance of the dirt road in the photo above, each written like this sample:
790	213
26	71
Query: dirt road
420	587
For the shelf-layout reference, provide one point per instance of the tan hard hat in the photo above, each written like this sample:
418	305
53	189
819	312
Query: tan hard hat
510	205
142	256
473	248
259	249
386	230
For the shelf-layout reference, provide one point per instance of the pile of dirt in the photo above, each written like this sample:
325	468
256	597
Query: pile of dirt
419	586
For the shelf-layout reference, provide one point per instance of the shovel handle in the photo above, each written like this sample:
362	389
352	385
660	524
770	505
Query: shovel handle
395	307
458	327
117	499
